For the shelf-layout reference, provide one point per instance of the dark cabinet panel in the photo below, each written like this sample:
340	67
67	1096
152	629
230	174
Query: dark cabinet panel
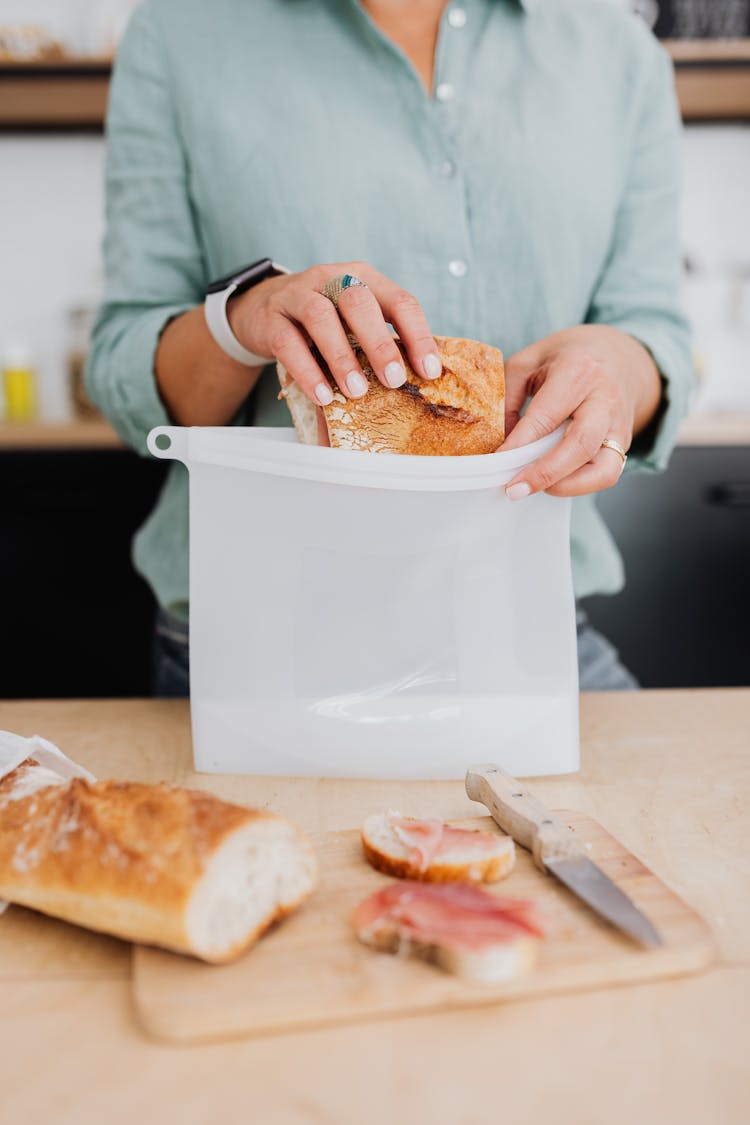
76	618
683	619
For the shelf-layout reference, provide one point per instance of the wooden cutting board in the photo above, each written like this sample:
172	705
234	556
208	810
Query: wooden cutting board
310	971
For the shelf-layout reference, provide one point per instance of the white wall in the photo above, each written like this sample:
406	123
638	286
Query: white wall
51	205
82	26
51	225
716	239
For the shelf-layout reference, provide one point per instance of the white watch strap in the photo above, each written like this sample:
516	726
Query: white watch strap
215	311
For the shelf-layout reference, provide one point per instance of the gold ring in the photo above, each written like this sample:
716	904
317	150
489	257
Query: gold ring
610	443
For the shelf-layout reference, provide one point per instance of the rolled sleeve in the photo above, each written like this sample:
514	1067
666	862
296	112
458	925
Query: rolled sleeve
638	291
153	260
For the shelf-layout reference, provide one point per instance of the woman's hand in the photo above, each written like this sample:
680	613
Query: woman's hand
283	315
602	379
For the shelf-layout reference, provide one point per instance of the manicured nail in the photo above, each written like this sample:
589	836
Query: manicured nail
518	491
356	384
432	366
324	394
395	375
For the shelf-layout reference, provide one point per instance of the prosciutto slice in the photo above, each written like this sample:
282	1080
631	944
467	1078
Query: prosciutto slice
451	916
428	839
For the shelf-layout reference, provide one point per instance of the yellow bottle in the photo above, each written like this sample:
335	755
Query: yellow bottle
19	385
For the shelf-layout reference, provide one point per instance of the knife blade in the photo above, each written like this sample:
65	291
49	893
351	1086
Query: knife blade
557	849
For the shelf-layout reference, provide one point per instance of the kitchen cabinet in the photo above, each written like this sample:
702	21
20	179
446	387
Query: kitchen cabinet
78	617
683	619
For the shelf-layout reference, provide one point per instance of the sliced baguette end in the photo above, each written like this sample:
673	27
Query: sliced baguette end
262	873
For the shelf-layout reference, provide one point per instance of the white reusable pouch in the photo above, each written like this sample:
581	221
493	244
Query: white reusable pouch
374	615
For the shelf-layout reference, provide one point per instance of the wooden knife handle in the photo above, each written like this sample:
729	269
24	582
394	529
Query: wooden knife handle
522	815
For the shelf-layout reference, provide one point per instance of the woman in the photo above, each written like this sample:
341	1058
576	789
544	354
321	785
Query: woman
505	170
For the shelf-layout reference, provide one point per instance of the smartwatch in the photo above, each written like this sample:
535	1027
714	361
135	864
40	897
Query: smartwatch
215	308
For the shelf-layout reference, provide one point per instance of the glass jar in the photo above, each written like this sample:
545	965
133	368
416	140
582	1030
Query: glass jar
80	323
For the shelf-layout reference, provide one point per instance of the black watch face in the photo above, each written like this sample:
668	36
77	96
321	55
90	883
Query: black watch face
244	278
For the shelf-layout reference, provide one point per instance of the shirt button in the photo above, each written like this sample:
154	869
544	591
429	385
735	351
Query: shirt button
444	92
457	18
447	169
457	268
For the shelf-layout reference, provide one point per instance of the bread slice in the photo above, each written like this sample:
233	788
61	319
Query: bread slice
491	965
155	864
460	413
463	930
434	852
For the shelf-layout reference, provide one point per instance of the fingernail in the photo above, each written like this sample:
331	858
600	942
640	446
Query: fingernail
432	366
518	491
356	384
395	375
324	394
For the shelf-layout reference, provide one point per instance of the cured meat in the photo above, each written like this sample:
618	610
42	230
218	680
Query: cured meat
432	851
423	838
463	929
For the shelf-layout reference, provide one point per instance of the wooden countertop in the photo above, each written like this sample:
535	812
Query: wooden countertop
667	772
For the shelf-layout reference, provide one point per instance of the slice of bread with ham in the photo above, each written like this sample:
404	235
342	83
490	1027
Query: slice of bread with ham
461	412
464	930
434	852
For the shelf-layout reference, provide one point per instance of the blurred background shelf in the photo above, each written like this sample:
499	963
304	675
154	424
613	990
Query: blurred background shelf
68	94
95	434
715	429
712	77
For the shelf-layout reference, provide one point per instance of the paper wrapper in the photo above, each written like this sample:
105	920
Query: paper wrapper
57	767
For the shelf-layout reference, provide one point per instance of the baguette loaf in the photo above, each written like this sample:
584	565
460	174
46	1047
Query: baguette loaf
149	863
462	412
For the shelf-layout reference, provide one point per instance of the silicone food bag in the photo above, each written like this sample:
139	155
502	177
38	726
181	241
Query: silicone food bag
374	615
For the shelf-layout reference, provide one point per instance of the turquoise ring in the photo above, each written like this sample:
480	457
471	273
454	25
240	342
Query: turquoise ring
336	286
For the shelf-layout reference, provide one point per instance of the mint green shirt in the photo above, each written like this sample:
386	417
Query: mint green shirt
537	188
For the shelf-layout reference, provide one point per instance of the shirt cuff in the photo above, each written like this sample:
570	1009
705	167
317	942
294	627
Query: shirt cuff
652	447
131	400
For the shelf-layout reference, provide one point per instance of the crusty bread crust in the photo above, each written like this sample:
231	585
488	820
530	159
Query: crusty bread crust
122	857
500	963
477	857
461	413
487	869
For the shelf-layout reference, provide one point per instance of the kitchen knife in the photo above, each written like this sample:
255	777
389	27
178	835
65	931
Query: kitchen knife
556	849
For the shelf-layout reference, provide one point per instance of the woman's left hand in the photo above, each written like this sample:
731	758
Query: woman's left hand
599	377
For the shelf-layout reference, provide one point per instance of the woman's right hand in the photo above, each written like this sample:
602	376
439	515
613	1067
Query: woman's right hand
283	315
